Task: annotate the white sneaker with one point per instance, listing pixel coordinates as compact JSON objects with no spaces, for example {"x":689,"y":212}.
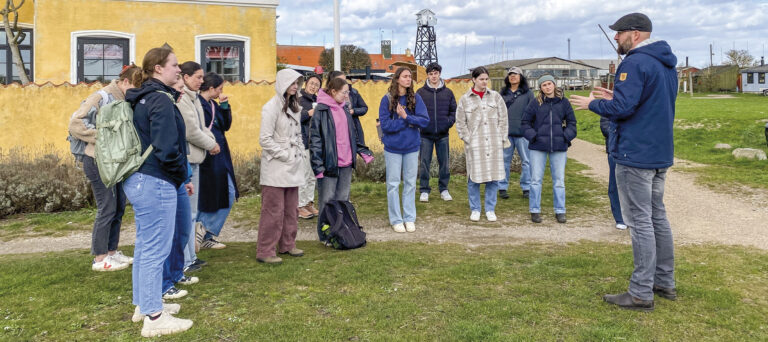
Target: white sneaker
{"x":174,"y":293}
{"x":119,"y":256}
{"x":446,"y":196}
{"x":474,"y":216}
{"x":187,"y":280}
{"x":491,"y":216}
{"x":621,"y":226}
{"x":410,"y":227}
{"x":166,"y":324}
{"x":424,"y":197}
{"x":167,"y":308}
{"x":108,"y":264}
{"x":399,"y":228}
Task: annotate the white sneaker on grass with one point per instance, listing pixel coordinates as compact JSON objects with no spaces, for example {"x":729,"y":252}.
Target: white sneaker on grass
{"x":174,"y":293}
{"x":424,"y":197}
{"x":187,"y":280}
{"x":108,"y":264}
{"x":491,"y":216}
{"x":170,"y":308}
{"x":474,"y":216}
{"x":446,"y":196}
{"x":410,"y":227}
{"x":166,"y":324}
{"x":621,"y":226}
{"x":212,"y":244}
{"x":398,"y":228}
{"x":119,"y":256}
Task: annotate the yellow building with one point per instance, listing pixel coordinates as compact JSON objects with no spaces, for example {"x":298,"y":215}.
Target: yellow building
{"x":90,"y":40}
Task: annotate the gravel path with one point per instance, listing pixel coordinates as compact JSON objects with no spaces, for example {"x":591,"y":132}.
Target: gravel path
{"x":698,"y":215}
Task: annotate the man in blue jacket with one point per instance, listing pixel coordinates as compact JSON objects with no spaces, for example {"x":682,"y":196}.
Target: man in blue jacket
{"x":642,"y":108}
{"x":441,"y":107}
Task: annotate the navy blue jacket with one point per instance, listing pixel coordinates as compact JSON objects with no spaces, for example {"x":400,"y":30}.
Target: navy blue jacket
{"x":159,"y":123}
{"x":516,"y":102}
{"x":441,"y":108}
{"x":359,"y":108}
{"x":398,"y":135}
{"x":214,"y":170}
{"x":305,"y":101}
{"x":643,"y":108}
{"x":549,"y":126}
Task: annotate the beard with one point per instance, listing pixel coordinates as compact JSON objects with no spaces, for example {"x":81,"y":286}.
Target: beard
{"x":624,"y":46}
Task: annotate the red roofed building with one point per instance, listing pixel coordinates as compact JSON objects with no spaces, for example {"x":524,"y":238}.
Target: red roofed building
{"x":309,"y":56}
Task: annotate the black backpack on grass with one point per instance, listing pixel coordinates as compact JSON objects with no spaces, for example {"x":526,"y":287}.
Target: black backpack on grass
{"x":340,"y":226}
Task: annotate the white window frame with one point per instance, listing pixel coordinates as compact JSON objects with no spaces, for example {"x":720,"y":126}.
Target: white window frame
{"x":97,"y":34}
{"x":229,"y":37}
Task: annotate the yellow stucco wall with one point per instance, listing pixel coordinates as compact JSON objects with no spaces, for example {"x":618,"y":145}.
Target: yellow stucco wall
{"x":26,"y":12}
{"x":36,"y":117}
{"x":153,"y":24}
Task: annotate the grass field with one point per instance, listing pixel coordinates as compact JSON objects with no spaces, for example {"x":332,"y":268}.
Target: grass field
{"x":700,"y":123}
{"x":399,"y":292}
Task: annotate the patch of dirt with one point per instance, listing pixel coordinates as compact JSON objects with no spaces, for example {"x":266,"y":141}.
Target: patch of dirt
{"x":714,"y":97}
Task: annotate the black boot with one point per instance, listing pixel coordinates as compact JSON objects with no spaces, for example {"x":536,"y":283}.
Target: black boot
{"x":560,"y":218}
{"x":536,"y":217}
{"x":670,"y":294}
{"x":626,"y":301}
{"x":503,"y":194}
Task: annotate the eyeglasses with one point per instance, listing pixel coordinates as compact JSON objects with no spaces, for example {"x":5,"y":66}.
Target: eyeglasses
{"x":345,"y":92}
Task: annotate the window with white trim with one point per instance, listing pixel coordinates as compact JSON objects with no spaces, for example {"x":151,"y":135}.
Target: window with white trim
{"x":226,"y":58}
{"x":101,"y":59}
{"x":8,"y":71}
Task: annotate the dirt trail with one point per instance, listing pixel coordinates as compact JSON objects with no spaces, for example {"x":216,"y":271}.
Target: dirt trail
{"x":698,"y":215}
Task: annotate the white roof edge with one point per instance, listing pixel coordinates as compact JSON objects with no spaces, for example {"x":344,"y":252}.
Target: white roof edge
{"x":240,"y":3}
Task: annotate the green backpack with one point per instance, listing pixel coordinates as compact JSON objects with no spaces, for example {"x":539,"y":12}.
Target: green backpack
{"x":118,"y":148}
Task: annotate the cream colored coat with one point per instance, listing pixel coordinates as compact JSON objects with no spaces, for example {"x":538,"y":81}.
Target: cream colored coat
{"x":482,"y":125}
{"x":92,"y":104}
{"x":200,"y":140}
{"x":282,"y":150}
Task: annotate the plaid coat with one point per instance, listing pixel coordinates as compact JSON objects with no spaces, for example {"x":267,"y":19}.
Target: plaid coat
{"x":482,"y":125}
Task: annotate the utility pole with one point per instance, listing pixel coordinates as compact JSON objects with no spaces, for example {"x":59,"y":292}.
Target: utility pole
{"x":710,"y":55}
{"x":569,"y":49}
{"x":336,"y":37}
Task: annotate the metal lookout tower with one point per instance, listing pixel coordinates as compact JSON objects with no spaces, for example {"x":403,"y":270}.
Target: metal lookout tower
{"x":426,"y":48}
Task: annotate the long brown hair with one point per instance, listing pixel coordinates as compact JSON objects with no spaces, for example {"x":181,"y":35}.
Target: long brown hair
{"x":394,"y":93}
{"x":155,"y":56}
{"x":292,"y":101}
{"x":132,"y":73}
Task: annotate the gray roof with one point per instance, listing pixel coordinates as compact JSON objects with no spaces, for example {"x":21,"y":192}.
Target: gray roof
{"x":761,"y":68}
{"x":528,"y":61}
{"x":602,"y":64}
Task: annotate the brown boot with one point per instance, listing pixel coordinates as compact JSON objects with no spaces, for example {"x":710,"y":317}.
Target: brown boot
{"x":304,"y":213}
{"x":311,"y":207}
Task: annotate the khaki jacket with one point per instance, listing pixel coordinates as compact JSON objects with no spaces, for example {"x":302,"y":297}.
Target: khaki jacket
{"x":282,"y":149}
{"x":482,"y":125}
{"x":89,"y":108}
{"x":199,"y":137}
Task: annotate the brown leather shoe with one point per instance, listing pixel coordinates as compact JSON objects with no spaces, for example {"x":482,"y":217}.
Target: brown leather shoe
{"x":670,"y":294}
{"x":304,"y":213}
{"x":626,"y":301}
{"x":311,"y":207}
{"x":295,"y":252}
{"x":273,"y":260}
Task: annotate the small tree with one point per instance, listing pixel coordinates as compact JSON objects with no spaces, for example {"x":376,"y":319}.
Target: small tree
{"x":15,"y":36}
{"x":741,"y":58}
{"x":352,"y":57}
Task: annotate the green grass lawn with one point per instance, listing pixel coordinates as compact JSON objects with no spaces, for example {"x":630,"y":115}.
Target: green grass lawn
{"x":399,"y":292}
{"x":702,"y":123}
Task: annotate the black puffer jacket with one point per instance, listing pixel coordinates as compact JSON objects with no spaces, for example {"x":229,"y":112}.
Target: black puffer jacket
{"x":441,"y":108}
{"x":516,"y":102}
{"x":322,"y":142}
{"x":359,"y":108}
{"x":305,"y":101}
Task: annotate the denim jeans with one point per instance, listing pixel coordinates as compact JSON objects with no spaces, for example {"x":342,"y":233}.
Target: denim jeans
{"x":333,"y":188}
{"x":174,"y":264}
{"x":442,"y":149}
{"x":189,"y":250}
{"x":154,"y":205}
{"x":214,"y":221}
{"x":406,"y":165}
{"x":613,"y":191}
{"x":557,"y":170}
{"x":641,"y":192}
{"x":110,"y":204}
{"x":473,"y":190}
{"x":521,"y":145}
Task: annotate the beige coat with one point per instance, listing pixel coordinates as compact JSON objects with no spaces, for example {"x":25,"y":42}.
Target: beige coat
{"x":282,"y":150}
{"x":482,"y":125}
{"x":199,"y":137}
{"x":90,"y":107}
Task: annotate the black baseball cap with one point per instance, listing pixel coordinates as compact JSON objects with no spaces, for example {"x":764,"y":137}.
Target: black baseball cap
{"x":633,"y":22}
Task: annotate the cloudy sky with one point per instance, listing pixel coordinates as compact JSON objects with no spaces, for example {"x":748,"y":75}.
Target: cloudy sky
{"x":527,"y":29}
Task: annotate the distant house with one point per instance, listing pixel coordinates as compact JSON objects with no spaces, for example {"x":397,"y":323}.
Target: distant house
{"x":566,"y":72}
{"x":304,"y":58}
{"x":753,"y":79}
{"x":717,"y":78}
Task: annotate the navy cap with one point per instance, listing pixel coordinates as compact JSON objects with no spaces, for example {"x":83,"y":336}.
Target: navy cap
{"x":633,"y":22}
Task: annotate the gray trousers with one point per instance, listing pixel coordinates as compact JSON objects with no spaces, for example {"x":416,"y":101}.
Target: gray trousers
{"x":110,"y":206}
{"x":641,"y":193}
{"x":333,"y":188}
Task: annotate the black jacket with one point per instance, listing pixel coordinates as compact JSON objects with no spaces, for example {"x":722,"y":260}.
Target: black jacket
{"x":551,"y":126}
{"x":306,"y":101}
{"x":215,"y":169}
{"x":159,"y":123}
{"x":441,"y":108}
{"x":517,"y":102}
{"x":322,"y":142}
{"x":359,"y":108}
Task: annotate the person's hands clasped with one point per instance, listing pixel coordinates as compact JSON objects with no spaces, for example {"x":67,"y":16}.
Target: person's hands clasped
{"x":401,"y":111}
{"x":215,"y":150}
{"x":190,"y":189}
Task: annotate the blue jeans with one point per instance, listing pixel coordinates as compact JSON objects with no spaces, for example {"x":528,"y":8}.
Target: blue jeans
{"x":174,"y":264}
{"x":189,"y":250}
{"x":521,"y":145}
{"x":214,"y":221}
{"x":442,"y":149}
{"x":557,"y":169}
{"x":613,"y":191}
{"x":154,"y":206}
{"x":642,"y":197}
{"x":473,"y":190}
{"x":407,"y":165}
